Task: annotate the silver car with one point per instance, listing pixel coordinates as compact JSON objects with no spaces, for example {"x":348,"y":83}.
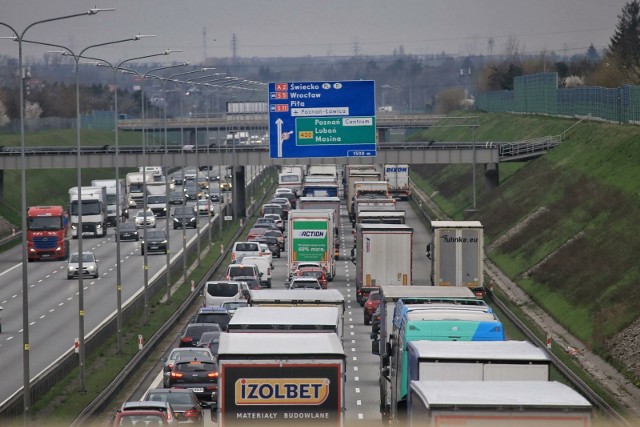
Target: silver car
{"x":89,"y":265}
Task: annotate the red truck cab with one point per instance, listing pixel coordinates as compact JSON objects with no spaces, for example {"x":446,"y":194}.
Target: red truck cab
{"x":47,"y":233}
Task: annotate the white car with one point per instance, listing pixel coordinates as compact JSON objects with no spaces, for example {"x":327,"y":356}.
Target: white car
{"x":203,"y":207}
{"x":141,"y":217}
{"x":89,"y":265}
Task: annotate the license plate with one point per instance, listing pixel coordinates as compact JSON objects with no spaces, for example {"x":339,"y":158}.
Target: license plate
{"x":197,"y":390}
{"x":153,"y":247}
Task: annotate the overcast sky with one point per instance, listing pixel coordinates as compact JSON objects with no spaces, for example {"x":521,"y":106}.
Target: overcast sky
{"x":284,"y":28}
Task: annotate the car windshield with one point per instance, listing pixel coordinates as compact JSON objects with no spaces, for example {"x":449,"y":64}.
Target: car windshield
{"x":156,"y":199}
{"x":222,"y":289}
{"x":221,"y":319}
{"x":247,"y":247}
{"x":197,"y":330}
{"x":153,"y":234}
{"x":85,"y":258}
{"x":40,"y":223}
{"x":127,"y":226}
{"x":196,"y":366}
{"x":142,"y":213}
{"x":232,"y":305}
{"x":316,"y":274}
{"x":173,"y":398}
{"x":188,"y":353}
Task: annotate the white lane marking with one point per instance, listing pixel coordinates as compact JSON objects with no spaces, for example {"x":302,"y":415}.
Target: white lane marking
{"x":32,"y":286}
{"x":43,"y":316}
{"x":353,"y":349}
{"x":356,"y":378}
{"x":360,"y":416}
{"x":9,"y":338}
{"x":52,"y":310}
{"x":15,"y":295}
{"x":349,"y":313}
{"x":355,"y":358}
{"x":351,"y":326}
{"x":357,"y":390}
{"x":32,"y":323}
{"x":353,"y":341}
{"x":353,"y":333}
{"x":4,"y":302}
{"x":46,"y":277}
{"x":61,"y":304}
{"x":69,"y":299}
{"x":355,"y":368}
{"x":9,"y":269}
{"x":359,"y":402}
{"x":350,"y":319}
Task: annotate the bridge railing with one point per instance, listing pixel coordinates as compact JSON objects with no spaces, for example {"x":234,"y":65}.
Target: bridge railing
{"x":529,"y":147}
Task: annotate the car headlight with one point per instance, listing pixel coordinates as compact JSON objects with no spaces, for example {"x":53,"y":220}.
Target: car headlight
{"x":73,"y":226}
{"x":164,"y":242}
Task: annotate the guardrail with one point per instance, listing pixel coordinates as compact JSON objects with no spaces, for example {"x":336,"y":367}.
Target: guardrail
{"x":103,"y":399}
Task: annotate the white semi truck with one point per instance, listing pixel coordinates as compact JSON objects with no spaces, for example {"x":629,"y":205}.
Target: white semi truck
{"x":116,"y":195}
{"x":135,"y":188}
{"x":382,"y":255}
{"x":312,"y":238}
{"x":398,"y":178}
{"x":94,"y":210}
{"x":457,"y":255}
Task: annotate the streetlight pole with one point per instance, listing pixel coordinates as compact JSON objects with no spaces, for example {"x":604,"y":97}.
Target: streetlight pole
{"x":26,"y":346}
{"x":179,"y":84}
{"x":115,"y":70}
{"x":81,"y":313}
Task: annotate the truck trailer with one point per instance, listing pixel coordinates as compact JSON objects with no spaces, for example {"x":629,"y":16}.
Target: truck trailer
{"x":497,"y":404}
{"x":116,"y":199}
{"x":94,"y":210}
{"x":456,"y":252}
{"x":382,"y":255}
{"x":281,"y":379}
{"x":312,"y":238}
{"x":398,"y":178}
{"x":354,"y":175}
{"x":47,"y":233}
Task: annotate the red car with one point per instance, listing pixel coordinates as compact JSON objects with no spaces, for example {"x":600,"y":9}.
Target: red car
{"x":373,"y":302}
{"x":255,"y":233}
{"x":315,"y":272}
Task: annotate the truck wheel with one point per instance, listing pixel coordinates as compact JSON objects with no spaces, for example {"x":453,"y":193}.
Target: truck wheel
{"x":30,"y":259}
{"x":367,"y":319}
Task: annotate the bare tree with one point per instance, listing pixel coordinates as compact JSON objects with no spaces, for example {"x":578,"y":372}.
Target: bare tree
{"x":512,"y":50}
{"x":4,"y":118}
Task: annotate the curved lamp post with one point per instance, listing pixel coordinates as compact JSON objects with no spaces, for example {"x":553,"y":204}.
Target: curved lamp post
{"x":115,"y":69}
{"x":19,"y":37}
{"x":81,"y":313}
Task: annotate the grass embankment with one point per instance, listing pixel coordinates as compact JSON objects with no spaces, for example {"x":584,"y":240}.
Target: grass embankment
{"x":575,"y":256}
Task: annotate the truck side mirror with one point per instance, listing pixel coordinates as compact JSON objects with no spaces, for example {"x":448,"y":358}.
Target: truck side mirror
{"x":375,"y":347}
{"x":429,"y":250}
{"x":375,"y":328}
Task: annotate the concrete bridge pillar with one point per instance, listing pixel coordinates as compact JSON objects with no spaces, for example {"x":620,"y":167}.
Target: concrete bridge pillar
{"x":383,"y":134}
{"x":491,"y":176}
{"x":239,"y":204}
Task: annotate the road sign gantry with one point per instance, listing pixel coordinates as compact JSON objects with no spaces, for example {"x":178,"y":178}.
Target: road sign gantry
{"x":322,"y":119}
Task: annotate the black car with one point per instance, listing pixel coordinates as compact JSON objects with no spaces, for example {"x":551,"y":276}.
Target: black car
{"x":176,"y":198}
{"x":184,"y":217}
{"x":278,"y":235}
{"x":199,"y":376}
{"x":192,"y":333}
{"x":215,"y":196}
{"x":272,"y":243}
{"x":218,"y":315}
{"x":184,"y":402}
{"x":192,"y":190}
{"x":128,"y":231}
{"x":252,"y":282}
{"x":290,"y":197}
{"x":154,"y":241}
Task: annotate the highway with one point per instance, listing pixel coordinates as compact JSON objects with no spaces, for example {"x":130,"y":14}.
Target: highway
{"x":53,"y":299}
{"x":362,"y":393}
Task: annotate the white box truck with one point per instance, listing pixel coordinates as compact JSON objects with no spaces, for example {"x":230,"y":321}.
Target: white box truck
{"x":94,"y":210}
{"x":398,"y":178}
{"x":312,"y":237}
{"x":457,"y":255}
{"x":358,"y":175}
{"x":135,"y":189}
{"x":382,"y":256}
{"x":281,"y":379}
{"x":116,"y":195}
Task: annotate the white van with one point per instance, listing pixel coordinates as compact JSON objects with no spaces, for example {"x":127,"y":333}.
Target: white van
{"x":263,"y":266}
{"x":218,"y":292}
{"x":243,"y":249}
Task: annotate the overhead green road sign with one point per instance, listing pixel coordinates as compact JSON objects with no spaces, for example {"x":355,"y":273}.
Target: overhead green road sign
{"x":335,"y":130}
